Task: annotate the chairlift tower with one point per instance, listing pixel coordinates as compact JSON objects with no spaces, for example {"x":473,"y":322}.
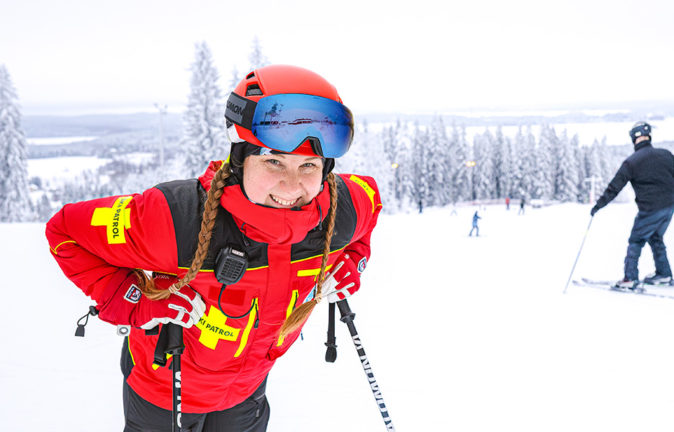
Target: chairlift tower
{"x":592,"y":180}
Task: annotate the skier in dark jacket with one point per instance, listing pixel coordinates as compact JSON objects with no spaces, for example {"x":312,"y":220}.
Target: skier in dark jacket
{"x":651,"y":172}
{"x":475,"y":227}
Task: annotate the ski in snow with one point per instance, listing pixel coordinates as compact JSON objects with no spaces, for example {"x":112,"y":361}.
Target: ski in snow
{"x":610,"y":286}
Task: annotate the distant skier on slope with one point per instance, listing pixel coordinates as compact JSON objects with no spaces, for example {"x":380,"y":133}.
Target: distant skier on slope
{"x":651,"y":172}
{"x":476,"y":217}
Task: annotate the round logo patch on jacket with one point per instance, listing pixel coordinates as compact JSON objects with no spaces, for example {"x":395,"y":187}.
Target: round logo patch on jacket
{"x":362,"y":264}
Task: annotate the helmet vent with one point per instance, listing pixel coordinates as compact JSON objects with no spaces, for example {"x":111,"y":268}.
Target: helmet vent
{"x":250,"y":75}
{"x":253,"y":90}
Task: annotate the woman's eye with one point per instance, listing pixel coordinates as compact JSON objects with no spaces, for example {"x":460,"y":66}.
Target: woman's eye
{"x":274,"y":162}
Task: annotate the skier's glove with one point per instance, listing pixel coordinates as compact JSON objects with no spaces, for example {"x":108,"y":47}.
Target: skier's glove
{"x":123,"y":303}
{"x":594,"y":210}
{"x":344,"y":279}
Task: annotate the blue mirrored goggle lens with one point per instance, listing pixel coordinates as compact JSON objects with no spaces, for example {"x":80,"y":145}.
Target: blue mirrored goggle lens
{"x":283,"y":122}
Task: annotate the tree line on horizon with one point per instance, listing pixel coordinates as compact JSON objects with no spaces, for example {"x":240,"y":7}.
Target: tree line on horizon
{"x":415,"y":166}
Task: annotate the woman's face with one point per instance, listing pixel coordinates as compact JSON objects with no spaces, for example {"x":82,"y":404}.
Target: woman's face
{"x":282,"y":180}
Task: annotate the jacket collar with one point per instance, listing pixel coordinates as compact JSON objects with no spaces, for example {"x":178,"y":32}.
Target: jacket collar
{"x":265,"y":224}
{"x":642,"y":144}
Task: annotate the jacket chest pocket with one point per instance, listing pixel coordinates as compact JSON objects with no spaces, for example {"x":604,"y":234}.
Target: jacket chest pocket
{"x":303,"y":291}
{"x":219,"y":341}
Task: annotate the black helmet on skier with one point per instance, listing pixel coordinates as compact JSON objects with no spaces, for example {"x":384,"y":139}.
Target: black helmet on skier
{"x":639,"y":129}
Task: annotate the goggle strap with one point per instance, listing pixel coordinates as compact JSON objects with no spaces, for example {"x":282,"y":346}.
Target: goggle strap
{"x":240,"y":111}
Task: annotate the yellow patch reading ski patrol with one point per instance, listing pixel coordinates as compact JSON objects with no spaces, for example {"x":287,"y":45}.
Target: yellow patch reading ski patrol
{"x":214,"y":328}
{"x":117,"y":218}
{"x":368,"y":190}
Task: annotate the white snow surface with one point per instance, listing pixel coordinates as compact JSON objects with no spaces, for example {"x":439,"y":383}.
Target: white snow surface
{"x":463,"y":334}
{"x":63,"y":167}
{"x":59,"y":140}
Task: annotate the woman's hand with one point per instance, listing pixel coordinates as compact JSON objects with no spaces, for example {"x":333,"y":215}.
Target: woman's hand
{"x":126,"y":305}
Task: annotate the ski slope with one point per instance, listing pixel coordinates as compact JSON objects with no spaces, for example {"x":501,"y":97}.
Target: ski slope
{"x":463,"y":334}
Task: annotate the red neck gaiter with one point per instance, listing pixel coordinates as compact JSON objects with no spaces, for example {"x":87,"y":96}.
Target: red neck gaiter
{"x":265,"y":224}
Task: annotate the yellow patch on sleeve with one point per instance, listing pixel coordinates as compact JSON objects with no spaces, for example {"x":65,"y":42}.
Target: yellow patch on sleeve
{"x":116,"y":218}
{"x":368,"y":190}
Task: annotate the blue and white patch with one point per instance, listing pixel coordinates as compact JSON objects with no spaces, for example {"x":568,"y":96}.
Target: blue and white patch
{"x":264,"y":151}
{"x":311,"y":295}
{"x":133,"y":294}
{"x":362,"y":264}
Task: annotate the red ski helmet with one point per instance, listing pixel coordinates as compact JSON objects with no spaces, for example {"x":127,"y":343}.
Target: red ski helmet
{"x":291,"y":110}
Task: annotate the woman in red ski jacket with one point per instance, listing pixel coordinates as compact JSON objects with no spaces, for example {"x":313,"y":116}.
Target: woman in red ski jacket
{"x":273,"y":209}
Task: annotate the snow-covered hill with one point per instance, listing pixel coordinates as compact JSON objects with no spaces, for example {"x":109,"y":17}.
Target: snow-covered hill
{"x":463,"y":334}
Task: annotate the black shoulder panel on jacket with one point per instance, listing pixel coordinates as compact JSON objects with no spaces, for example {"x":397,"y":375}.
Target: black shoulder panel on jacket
{"x":345,"y":227}
{"x":186,"y":200}
{"x":183,"y":198}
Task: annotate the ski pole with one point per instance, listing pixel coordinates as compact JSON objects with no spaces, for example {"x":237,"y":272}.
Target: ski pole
{"x":170,"y":341}
{"x":176,"y":348}
{"x":578,"y":256}
{"x":347,"y":318}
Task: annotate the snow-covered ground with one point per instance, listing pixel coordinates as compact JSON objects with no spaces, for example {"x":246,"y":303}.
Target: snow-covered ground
{"x":463,"y":334}
{"x":63,"y":167}
{"x":59,"y":140}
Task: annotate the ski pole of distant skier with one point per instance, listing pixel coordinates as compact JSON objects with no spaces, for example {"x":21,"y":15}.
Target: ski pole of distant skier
{"x":347,"y":318}
{"x":578,"y":256}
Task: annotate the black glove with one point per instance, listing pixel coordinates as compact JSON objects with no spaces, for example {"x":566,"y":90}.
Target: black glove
{"x":594,"y":210}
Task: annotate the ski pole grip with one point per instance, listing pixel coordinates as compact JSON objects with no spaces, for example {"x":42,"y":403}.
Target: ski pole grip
{"x":175,"y":345}
{"x":345,"y":311}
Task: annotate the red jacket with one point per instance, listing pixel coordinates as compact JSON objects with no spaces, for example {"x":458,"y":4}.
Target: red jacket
{"x":96,"y":242}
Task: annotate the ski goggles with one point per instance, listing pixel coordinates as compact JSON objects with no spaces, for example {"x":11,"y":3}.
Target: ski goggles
{"x":285,"y":121}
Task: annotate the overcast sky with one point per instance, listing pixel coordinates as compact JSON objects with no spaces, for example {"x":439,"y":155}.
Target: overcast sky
{"x":383,"y":56}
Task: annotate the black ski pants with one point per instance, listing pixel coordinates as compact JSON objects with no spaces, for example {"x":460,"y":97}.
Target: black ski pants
{"x":251,"y":415}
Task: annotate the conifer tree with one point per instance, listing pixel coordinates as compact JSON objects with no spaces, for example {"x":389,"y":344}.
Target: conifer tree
{"x":256,"y":58}
{"x":566,"y":174}
{"x":204,"y":137}
{"x":461,"y":176}
{"x":15,"y":204}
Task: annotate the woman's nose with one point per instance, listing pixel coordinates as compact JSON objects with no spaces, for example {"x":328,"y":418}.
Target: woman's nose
{"x":292,"y":183}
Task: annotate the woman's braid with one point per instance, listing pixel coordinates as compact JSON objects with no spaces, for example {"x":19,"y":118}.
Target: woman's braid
{"x":299,"y":315}
{"x":207,"y":223}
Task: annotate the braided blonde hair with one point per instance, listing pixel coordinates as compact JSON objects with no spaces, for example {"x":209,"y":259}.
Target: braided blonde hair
{"x":299,"y":315}
{"x":205,"y":233}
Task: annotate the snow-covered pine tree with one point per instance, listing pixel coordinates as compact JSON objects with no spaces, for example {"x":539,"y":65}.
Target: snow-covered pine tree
{"x":608,"y":165}
{"x":581,"y":174}
{"x":15,"y":204}
{"x":538,"y":176}
{"x":438,"y":161}
{"x":503,"y":164}
{"x":483,"y":171}
{"x":548,"y":149}
{"x":204,"y":130}
{"x":367,"y":157}
{"x":256,"y":58}
{"x":524,"y":160}
{"x":405,"y":185}
{"x":566,"y":174}
{"x":234,"y":79}
{"x":461,"y":157}
{"x":420,"y":193}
